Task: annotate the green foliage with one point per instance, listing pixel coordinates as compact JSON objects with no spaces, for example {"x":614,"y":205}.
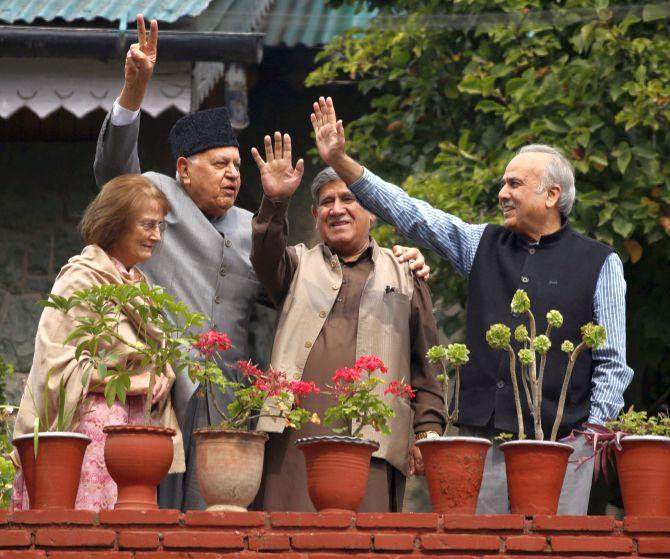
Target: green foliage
{"x":458,"y":354}
{"x":97,"y":329}
{"x":526,"y":356}
{"x":498,"y":336}
{"x":567,"y":346}
{"x":634,"y":422}
{"x":594,"y":335}
{"x":554,"y":318}
{"x":520,"y":302}
{"x":521,"y":333}
{"x":541,"y":344}
{"x":457,"y":86}
{"x":6,"y":464}
{"x":504,"y":437}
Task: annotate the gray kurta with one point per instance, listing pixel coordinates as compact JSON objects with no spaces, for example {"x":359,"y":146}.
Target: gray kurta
{"x":206,"y":265}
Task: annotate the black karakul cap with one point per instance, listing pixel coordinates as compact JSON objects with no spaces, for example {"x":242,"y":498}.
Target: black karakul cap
{"x":201,"y":131}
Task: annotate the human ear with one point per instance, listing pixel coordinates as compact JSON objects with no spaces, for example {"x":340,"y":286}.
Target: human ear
{"x":553,"y":195}
{"x":182,"y":171}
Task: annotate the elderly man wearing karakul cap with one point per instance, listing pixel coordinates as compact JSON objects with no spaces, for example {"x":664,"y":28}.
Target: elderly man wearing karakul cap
{"x":204,"y":257}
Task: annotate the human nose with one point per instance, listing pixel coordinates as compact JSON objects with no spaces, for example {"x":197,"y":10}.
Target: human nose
{"x":232,"y":171}
{"x":503,"y":193}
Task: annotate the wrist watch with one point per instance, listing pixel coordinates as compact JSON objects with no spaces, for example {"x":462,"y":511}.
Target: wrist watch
{"x":426,"y":435}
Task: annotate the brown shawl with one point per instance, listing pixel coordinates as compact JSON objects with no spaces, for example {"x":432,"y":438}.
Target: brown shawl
{"x":92,"y":267}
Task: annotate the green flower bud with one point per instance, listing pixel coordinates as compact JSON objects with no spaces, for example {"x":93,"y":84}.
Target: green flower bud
{"x":436,"y":353}
{"x":541,"y":344}
{"x":521,"y":333}
{"x":520,"y":302}
{"x":567,"y":346}
{"x":498,"y":336}
{"x":555,"y":318}
{"x":594,"y":335}
{"x":526,"y":356}
{"x":442,"y":378}
{"x":458,"y":354}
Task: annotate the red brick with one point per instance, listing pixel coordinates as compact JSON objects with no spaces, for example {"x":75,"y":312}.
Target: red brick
{"x":256,"y":555}
{"x":4,"y":516}
{"x":394,"y":542}
{"x":14,"y":538}
{"x":311,"y":519}
{"x":646,"y":546}
{"x":474,"y":542}
{"x":574,"y":523}
{"x":180,"y":555}
{"x":483,"y":522}
{"x":23,"y":554}
{"x":60,"y":537}
{"x":90,"y":554}
{"x":165,"y":516}
{"x":396,"y":520}
{"x":583,"y":544}
{"x":525,"y":543}
{"x":208,"y":539}
{"x":53,"y":517}
{"x":331,"y":540}
{"x":137,"y":539}
{"x":646,"y":524}
{"x":233,"y":519}
{"x":269,"y":542}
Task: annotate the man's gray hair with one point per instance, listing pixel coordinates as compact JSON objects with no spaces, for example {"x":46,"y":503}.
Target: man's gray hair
{"x":325,"y":176}
{"x":559,"y":171}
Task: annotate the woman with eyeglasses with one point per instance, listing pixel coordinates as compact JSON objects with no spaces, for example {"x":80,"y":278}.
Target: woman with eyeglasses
{"x":121,"y":228}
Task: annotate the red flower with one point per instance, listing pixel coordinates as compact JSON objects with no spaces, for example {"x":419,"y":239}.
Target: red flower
{"x":397,"y":388}
{"x":346,"y":374}
{"x":370,"y":363}
{"x":249,"y":369}
{"x":212,"y":341}
{"x":301,"y":387}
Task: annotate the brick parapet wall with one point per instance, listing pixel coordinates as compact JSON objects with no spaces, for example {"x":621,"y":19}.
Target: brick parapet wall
{"x":255,"y":535}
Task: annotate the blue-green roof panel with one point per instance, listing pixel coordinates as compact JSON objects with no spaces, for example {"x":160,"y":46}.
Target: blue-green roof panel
{"x":27,"y":11}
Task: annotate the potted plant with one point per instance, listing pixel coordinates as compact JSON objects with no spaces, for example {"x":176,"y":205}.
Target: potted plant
{"x":454,"y":466}
{"x":346,"y":458}
{"x":229,"y":457}
{"x":137,"y":456}
{"x":641,"y":447}
{"x":536,"y":468}
{"x":51,"y":457}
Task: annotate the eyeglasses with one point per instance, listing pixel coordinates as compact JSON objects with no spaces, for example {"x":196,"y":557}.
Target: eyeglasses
{"x":151,"y":224}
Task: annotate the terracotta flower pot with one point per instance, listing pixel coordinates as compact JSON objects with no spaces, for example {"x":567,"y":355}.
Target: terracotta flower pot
{"x":337,"y":471}
{"x":644,"y":475}
{"x":454,"y":469}
{"x":535,"y":474}
{"x":229,"y":465}
{"x":137,"y":457}
{"x":53,"y":479}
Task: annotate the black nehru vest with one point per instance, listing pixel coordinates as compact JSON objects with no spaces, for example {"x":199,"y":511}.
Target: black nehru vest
{"x":560,"y":272}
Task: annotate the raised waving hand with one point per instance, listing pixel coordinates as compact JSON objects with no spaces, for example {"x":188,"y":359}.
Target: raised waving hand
{"x":139,"y":65}
{"x":278,"y":176}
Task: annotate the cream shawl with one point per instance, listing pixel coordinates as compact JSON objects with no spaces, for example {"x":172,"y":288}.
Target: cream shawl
{"x":92,"y":267}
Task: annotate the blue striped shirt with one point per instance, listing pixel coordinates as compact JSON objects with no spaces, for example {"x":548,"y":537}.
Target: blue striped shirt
{"x":457,"y":241}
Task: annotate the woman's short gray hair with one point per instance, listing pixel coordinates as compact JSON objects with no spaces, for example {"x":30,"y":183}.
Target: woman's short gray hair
{"x":325,"y":176}
{"x":559,"y":171}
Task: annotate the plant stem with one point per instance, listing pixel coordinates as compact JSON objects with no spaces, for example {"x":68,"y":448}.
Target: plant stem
{"x":524,"y":381}
{"x":149,"y":397}
{"x":457,"y":390}
{"x":543,"y":363}
{"x":564,"y":389}
{"x":515,"y":386}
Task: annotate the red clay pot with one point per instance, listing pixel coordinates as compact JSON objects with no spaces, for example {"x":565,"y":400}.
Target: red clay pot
{"x":53,"y":479}
{"x":535,"y":474}
{"x":137,"y":457}
{"x":454,"y":469}
{"x":644,"y":475}
{"x":337,"y":471}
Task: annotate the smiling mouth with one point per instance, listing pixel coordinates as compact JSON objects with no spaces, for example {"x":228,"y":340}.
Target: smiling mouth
{"x":339,"y":223}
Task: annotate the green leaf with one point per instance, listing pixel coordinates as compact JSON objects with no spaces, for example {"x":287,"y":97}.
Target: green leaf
{"x":622,"y":227}
{"x":652,"y":12}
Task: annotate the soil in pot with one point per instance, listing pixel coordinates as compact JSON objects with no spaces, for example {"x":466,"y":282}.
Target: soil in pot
{"x":229,"y":466}
{"x":138,"y":457}
{"x":52,"y":480}
{"x":337,"y":471}
{"x":535,"y":473}
{"x":454,"y":469}
{"x":644,"y":475}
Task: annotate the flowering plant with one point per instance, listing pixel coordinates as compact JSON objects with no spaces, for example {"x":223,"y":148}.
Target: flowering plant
{"x":358,"y":400}
{"x":455,"y":355}
{"x":264,"y":394}
{"x":499,"y":336}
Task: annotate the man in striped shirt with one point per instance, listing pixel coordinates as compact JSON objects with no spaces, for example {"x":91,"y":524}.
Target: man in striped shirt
{"x":537,"y":250}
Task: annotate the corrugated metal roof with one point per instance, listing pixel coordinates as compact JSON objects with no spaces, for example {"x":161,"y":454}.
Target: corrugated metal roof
{"x":310,"y":22}
{"x":27,"y":11}
{"x":285,"y":22}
